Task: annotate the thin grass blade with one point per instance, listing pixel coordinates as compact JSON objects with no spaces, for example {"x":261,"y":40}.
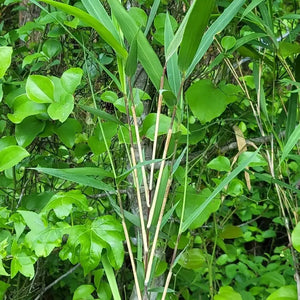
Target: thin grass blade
{"x":218,"y":189}
{"x":96,"y":9}
{"x":290,"y":144}
{"x":172,"y":64}
{"x":222,"y":21}
{"x":152,"y":14}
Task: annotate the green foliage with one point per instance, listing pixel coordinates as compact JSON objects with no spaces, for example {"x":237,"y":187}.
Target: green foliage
{"x":120,"y":162}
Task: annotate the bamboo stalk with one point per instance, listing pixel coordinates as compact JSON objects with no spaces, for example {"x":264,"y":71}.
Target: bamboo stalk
{"x":161,"y":214}
{"x":159,"y":105}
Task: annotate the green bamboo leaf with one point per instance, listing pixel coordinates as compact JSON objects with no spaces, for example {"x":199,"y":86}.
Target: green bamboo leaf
{"x":101,"y":114}
{"x":146,"y":54}
{"x":195,"y":27}
{"x":111,"y":277}
{"x":222,"y":21}
{"x":152,"y":14}
{"x":67,"y":174}
{"x":250,"y":7}
{"x":186,"y":224}
{"x":96,"y":9}
{"x":172,"y":64}
{"x":292,"y":141}
{"x":92,"y":22}
{"x":174,"y":44}
{"x":131,"y":63}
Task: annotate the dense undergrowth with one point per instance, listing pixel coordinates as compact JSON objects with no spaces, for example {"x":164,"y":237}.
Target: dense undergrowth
{"x":149,"y":150}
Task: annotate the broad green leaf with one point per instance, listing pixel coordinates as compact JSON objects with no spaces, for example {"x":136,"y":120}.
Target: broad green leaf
{"x":2,"y":272}
{"x":51,"y":48}
{"x":208,"y":37}
{"x":186,"y":224}
{"x":104,"y":232}
{"x":5,"y":58}
{"x":288,"y":49}
{"x":32,"y":220}
{"x":288,"y":292}
{"x":71,"y":78}
{"x":91,"y":246}
{"x":146,"y":54}
{"x":23,"y":107}
{"x":235,"y":188}
{"x":11,"y":156}
{"x":139,"y":16}
{"x":194,"y":30}
{"x":159,"y":24}
{"x":104,"y":33}
{"x":98,"y":141}
{"x":205,"y":100}
{"x":109,"y":96}
{"x":28,"y":130}
{"x":228,"y":42}
{"x":7,"y":141}
{"x":67,"y":131}
{"x":43,"y":241}
{"x":22,"y":261}
{"x":3,"y":287}
{"x":101,"y":114}
{"x":40,"y":89}
{"x":227,"y":293}
{"x":193,"y":259}
{"x":62,"y":203}
{"x":62,"y":109}
{"x":111,"y":231}
{"x":220,"y":163}
{"x":84,"y":291}
{"x":296,"y":237}
{"x":80,"y":179}
{"x":272,"y":279}
{"x":193,"y":200}
{"x":231,"y":232}
{"x":164,"y":125}
{"x":290,"y":144}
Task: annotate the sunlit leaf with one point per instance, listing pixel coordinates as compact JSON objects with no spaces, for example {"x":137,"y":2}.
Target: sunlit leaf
{"x":227,"y":293}
{"x":11,"y":156}
{"x":288,"y":292}
{"x":5,"y":58}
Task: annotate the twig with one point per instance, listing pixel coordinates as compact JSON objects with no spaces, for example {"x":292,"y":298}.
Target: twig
{"x":56,"y":281}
